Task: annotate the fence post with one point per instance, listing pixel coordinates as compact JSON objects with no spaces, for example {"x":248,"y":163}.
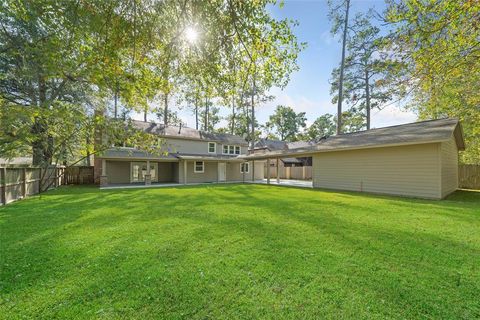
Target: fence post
{"x":24,"y":184}
{"x":4,"y":185}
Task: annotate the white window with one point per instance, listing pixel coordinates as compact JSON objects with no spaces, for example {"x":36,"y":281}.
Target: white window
{"x":231,"y":149}
{"x":212,"y":147}
{"x":199,"y":167}
{"x":244,"y":167}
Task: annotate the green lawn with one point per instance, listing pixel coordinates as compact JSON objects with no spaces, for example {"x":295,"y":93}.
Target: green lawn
{"x":239,"y":251}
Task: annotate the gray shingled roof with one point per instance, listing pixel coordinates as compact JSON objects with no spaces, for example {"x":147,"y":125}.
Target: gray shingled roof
{"x":281,"y":145}
{"x":412,"y":133}
{"x":187,"y":133}
{"x":123,"y":152}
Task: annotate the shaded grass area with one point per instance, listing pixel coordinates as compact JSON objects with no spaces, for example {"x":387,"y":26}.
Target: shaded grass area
{"x":239,"y":251}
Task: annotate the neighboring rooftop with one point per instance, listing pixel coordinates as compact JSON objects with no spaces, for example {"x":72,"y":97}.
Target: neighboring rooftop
{"x":16,"y":161}
{"x":411,"y":133}
{"x":273,"y":145}
{"x":188,"y":133}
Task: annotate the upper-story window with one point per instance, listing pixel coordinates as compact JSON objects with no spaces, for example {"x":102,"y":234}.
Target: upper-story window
{"x":212,"y":147}
{"x":231,"y":149}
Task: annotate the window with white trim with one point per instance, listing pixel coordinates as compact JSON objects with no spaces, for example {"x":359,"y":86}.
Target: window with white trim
{"x":212,"y":147}
{"x":231,"y":149}
{"x":244,"y":167}
{"x":198,"y":167}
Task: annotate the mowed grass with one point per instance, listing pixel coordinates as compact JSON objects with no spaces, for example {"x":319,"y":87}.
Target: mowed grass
{"x":239,"y":251}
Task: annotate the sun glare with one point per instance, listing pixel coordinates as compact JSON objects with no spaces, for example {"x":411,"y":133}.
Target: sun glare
{"x":191,"y":35}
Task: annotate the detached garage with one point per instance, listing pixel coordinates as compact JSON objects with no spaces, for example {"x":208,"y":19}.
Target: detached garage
{"x":418,"y":160}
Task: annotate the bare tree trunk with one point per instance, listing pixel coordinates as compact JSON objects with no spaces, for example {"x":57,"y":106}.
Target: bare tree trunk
{"x":253,"y":116}
{"x":165,"y":109}
{"x":342,"y":66}
{"x":88,"y":150}
{"x":367,"y":95}
{"x":145,"y":115}
{"x":233,"y":115}
{"x":115,"y":99}
{"x":196,"y":111}
{"x":42,"y":146}
{"x":206,"y":113}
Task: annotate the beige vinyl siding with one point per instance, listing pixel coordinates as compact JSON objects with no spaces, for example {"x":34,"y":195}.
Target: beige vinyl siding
{"x":118,"y":171}
{"x":234,"y":174}
{"x":210,"y":172}
{"x":165,"y":172}
{"x":404,"y":170}
{"x":194,"y":146}
{"x":449,"y":165}
{"x":181,"y":171}
{"x":259,"y":169}
{"x":176,"y":171}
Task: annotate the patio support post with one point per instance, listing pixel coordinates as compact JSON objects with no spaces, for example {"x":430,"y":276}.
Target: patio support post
{"x":253,"y":170}
{"x":103,"y":177}
{"x":268,"y":171}
{"x":243,"y":171}
{"x":276,"y":173}
{"x":184,"y":171}
{"x":148,"y":175}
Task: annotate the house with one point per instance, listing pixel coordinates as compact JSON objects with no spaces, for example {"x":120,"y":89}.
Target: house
{"x":416,"y":159}
{"x":193,"y":156}
{"x":299,"y":168}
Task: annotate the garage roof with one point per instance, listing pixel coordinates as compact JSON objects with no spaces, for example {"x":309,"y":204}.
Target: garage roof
{"x":412,"y":133}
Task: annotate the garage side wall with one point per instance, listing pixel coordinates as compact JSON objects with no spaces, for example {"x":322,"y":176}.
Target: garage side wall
{"x":404,"y":170}
{"x":449,"y":165}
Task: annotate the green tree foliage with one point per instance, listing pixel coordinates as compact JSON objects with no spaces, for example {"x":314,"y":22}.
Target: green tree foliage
{"x":438,"y":41}
{"x":286,"y":123}
{"x":370,"y":74}
{"x":321,"y":127}
{"x":61,"y":61}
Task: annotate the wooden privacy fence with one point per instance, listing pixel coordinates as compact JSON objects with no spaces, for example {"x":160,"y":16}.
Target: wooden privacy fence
{"x":79,"y":175}
{"x":20,"y":182}
{"x":469,"y":176}
{"x":295,"y":173}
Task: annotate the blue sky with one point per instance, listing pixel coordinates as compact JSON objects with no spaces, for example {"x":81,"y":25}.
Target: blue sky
{"x":309,"y":89}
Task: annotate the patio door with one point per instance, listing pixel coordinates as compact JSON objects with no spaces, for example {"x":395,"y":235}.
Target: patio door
{"x":222,"y":171}
{"x":138,"y":170}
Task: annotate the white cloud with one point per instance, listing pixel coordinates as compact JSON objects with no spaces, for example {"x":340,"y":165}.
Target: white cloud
{"x":392,"y":115}
{"x":327,"y":37}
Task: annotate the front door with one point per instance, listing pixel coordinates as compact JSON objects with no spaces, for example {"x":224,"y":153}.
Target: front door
{"x":222,"y":171}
